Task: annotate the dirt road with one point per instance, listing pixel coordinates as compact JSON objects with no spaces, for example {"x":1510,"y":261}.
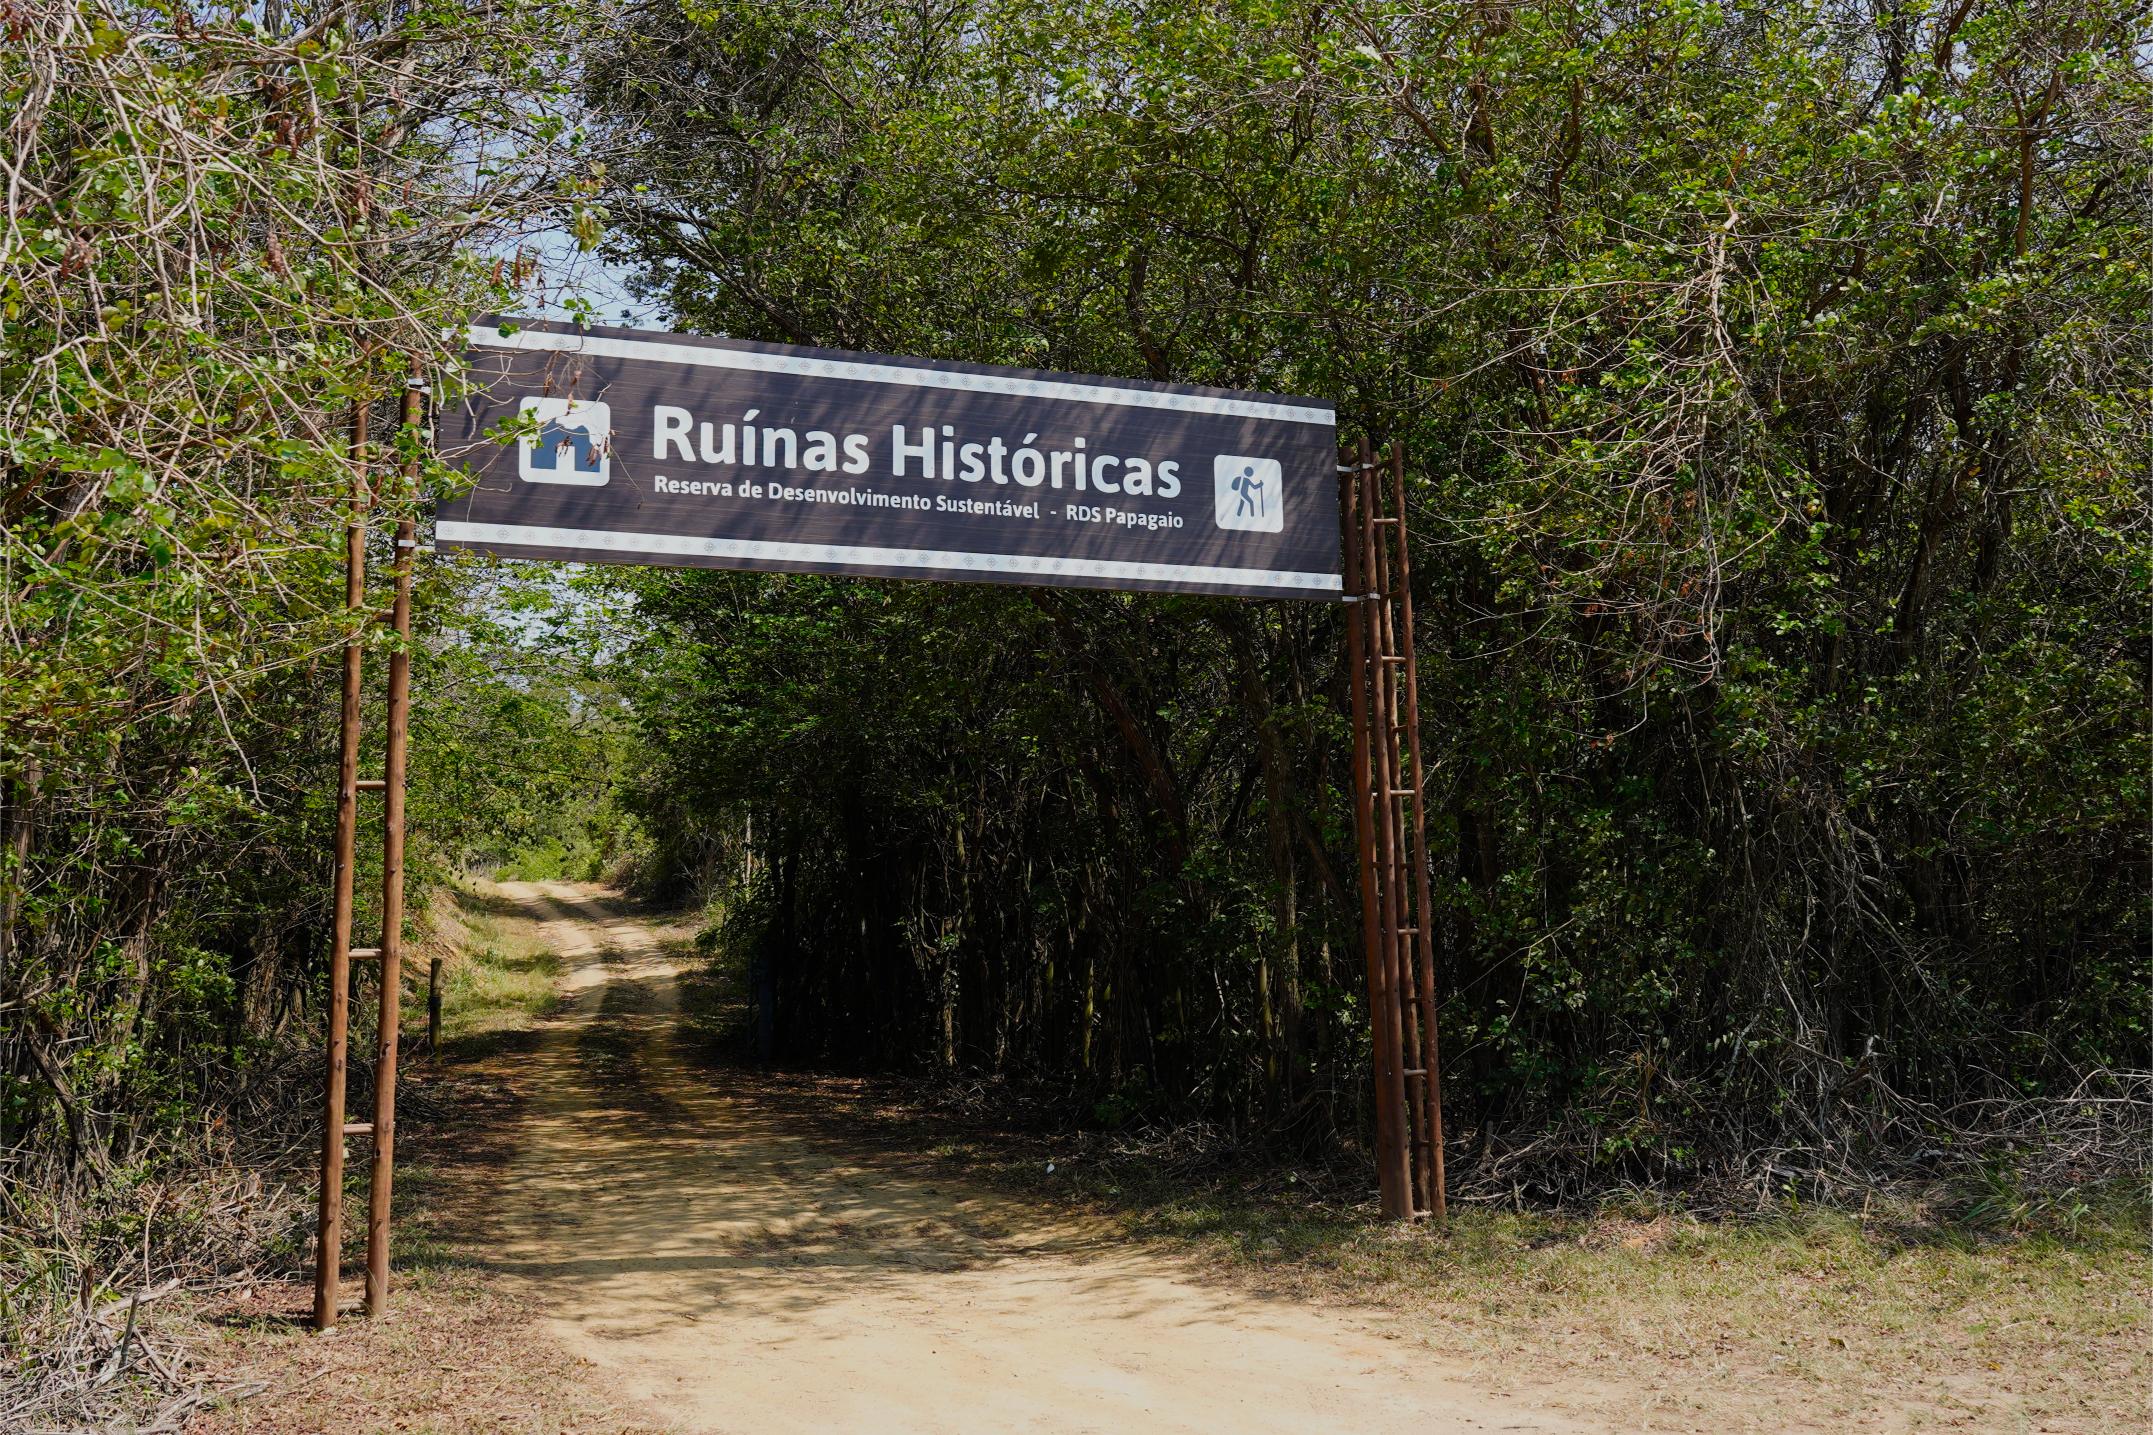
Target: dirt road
{"x":731,"y":1267}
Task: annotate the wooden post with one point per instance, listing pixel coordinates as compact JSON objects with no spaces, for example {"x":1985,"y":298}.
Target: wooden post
{"x":1390,"y":823}
{"x":433,"y":1007}
{"x":1435,"y":1189}
{"x":381,"y":1178}
{"x":329,"y":1225}
{"x":1363,"y":657}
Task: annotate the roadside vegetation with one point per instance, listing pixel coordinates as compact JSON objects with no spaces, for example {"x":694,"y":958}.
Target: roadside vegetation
{"x":227,"y":234}
{"x":1849,"y":1318}
{"x":199,"y":1320}
{"x":1773,"y":389}
{"x":499,"y":976}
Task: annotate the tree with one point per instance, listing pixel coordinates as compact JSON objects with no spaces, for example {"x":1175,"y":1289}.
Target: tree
{"x":226,"y":236}
{"x":1771,"y":389}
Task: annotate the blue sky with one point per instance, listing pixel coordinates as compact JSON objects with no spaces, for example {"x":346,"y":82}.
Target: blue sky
{"x":565,"y":273}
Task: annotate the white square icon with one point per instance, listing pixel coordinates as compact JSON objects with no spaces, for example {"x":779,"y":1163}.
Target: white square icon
{"x":1249,"y":493}
{"x":573,"y":442}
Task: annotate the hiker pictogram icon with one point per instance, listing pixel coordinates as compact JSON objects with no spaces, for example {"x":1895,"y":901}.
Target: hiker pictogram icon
{"x":1249,"y":494}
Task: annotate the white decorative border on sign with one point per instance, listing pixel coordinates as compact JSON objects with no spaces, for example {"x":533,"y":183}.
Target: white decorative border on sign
{"x":678,"y":545}
{"x":659,"y":351}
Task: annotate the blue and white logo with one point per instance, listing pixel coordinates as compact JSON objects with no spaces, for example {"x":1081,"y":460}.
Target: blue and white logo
{"x":573,"y":442}
{"x":1249,"y":493}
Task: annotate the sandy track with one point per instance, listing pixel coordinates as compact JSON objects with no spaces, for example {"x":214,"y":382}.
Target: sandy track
{"x":731,"y":1267}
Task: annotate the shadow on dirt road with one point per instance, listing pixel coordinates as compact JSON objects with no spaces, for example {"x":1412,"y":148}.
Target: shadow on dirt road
{"x":731,"y":1268}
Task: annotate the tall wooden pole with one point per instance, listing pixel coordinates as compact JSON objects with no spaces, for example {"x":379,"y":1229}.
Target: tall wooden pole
{"x":1396,"y":1144}
{"x":329,"y":1228}
{"x":1391,"y":847}
{"x":1363,"y":656}
{"x":1390,"y":821}
{"x":382,"y":1175}
{"x":1436,"y":1195}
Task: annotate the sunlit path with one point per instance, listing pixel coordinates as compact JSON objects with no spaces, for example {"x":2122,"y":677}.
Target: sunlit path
{"x":735,"y":1271}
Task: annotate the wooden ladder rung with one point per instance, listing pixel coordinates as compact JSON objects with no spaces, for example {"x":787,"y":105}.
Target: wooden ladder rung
{"x":358,"y":1128}
{"x":366,"y":954}
{"x":371,"y":784}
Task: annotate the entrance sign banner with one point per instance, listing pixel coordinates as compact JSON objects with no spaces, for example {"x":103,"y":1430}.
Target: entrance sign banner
{"x":632,"y":447}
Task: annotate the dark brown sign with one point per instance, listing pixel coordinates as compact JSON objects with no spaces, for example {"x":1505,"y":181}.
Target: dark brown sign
{"x":631,"y":447}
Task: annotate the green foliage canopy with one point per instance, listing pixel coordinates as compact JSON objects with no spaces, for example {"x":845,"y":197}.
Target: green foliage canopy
{"x":1774,"y":383}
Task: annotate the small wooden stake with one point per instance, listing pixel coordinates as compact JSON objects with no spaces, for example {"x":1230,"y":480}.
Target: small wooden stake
{"x":433,"y":1007}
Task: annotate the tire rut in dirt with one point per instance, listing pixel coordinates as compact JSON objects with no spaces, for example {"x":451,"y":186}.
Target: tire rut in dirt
{"x":612,"y":1048}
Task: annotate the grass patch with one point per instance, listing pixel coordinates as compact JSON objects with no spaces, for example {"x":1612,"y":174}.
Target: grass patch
{"x":460,"y":1356}
{"x":497,"y":973}
{"x":1904,"y":1314}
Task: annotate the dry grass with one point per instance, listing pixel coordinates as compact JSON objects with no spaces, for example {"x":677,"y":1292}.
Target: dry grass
{"x":1810,"y":1321}
{"x":455,"y":1355}
{"x":497,"y":973}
